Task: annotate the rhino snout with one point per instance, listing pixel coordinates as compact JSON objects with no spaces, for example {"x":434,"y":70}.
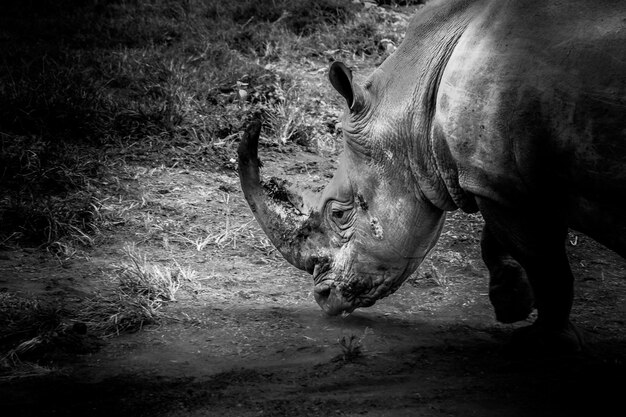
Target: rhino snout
{"x":331,"y":300}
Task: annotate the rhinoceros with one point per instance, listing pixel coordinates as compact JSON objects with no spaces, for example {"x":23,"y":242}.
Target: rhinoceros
{"x":516,"y":109}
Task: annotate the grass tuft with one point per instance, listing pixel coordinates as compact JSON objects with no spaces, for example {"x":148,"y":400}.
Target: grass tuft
{"x":141,"y":291}
{"x":138,"y":277}
{"x":351,"y":347}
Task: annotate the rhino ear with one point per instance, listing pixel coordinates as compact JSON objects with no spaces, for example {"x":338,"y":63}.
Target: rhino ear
{"x":341,"y":78}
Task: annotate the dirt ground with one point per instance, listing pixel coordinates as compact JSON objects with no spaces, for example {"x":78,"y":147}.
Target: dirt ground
{"x":247,"y":339}
{"x":244,"y":336}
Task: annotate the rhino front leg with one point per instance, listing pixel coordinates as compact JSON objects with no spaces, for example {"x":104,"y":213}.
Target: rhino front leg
{"x":535,"y":238}
{"x":510,"y":292}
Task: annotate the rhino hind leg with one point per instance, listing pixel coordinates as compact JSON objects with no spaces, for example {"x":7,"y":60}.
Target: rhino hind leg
{"x":535,"y":240}
{"x":510,"y":292}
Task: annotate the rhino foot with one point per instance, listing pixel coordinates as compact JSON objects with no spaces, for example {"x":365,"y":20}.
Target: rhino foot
{"x":510,"y":292}
{"x":536,"y":339}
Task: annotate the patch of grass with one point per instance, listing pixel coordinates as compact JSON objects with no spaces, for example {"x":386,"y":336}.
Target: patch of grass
{"x":372,"y":35}
{"x":351,"y":347}
{"x":430,"y":275}
{"x":153,"y":282}
{"x":132,"y":69}
{"x":285,"y":117}
{"x":84,"y":83}
{"x":301,"y":17}
{"x":142,"y":289}
{"x":228,"y":234}
{"x":47,"y":192}
{"x":33,"y":332}
{"x":400,"y":2}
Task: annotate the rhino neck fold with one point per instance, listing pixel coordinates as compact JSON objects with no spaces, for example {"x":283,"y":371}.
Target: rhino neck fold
{"x":448,"y":172}
{"x":429,"y":158}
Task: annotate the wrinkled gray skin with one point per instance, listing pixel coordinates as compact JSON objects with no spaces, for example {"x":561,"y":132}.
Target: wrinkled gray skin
{"x":513,"y":108}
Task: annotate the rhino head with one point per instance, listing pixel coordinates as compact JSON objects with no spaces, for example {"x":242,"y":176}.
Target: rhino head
{"x":371,"y":226}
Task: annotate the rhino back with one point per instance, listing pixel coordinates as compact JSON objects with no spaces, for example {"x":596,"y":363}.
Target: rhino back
{"x":534,"y":96}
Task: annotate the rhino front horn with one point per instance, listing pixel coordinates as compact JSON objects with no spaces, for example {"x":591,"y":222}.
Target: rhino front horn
{"x":282,"y":222}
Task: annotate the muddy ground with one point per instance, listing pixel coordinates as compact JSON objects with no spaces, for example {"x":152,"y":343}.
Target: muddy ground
{"x":246,"y":338}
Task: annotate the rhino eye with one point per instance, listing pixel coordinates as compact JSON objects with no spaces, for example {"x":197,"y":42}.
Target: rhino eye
{"x":341,"y":216}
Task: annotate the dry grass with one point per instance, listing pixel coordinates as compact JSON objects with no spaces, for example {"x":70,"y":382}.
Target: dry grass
{"x":430,"y":274}
{"x":352,"y":346}
{"x":146,"y":82}
{"x":228,"y":236}
{"x":152,"y":281}
{"x":141,"y":290}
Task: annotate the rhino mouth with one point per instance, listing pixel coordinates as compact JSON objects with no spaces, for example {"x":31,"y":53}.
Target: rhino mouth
{"x":335,"y":297}
{"x":344,"y":296}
